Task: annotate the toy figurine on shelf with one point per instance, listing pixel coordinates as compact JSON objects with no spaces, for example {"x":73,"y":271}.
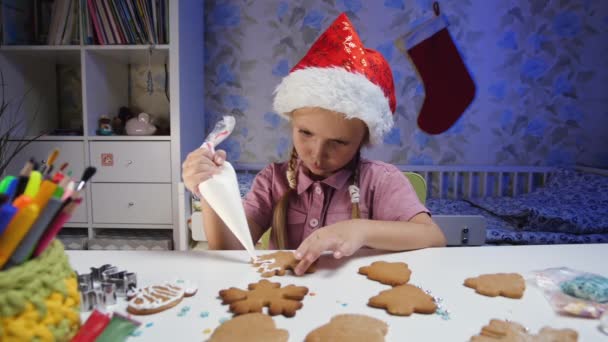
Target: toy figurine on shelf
{"x":141,"y":125}
{"x":105,"y":126}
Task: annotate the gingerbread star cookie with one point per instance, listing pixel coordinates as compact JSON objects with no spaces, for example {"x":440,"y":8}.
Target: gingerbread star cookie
{"x":278,"y":263}
{"x":350,"y":328}
{"x":499,"y":330}
{"x":255,"y":327}
{"x":279,"y":300}
{"x":389,"y":273}
{"x":403,"y":300}
{"x":155,"y":298}
{"x":511,"y":285}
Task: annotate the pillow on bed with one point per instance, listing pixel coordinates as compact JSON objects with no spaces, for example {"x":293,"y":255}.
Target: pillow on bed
{"x":572,"y":203}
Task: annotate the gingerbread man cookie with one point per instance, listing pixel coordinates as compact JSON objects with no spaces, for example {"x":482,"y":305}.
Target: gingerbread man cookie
{"x":279,"y":300}
{"x":389,"y":273}
{"x":511,"y":285}
{"x":350,"y":328}
{"x":278,"y":263}
{"x":155,"y":298}
{"x":499,"y":330}
{"x":404,"y":300}
{"x":255,"y":327}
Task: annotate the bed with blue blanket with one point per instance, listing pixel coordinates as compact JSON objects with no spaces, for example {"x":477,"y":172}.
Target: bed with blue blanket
{"x":571,"y":208}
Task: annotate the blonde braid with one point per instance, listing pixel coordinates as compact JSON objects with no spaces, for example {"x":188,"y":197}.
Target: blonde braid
{"x":279,"y":217}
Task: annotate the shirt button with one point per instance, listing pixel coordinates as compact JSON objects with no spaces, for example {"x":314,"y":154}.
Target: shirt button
{"x":313,"y":223}
{"x":318,"y":190}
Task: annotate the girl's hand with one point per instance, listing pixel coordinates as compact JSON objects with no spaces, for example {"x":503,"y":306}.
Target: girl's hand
{"x":199,"y":166}
{"x":342,"y":238}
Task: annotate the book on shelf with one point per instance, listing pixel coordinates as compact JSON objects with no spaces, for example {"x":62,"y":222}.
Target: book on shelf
{"x":126,"y":21}
{"x":70,"y":22}
{"x":39,"y":22}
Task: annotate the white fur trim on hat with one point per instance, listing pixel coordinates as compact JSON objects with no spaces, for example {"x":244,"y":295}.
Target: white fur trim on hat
{"x":338,"y":90}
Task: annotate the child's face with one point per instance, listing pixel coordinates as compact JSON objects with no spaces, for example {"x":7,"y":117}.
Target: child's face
{"x":325,"y":140}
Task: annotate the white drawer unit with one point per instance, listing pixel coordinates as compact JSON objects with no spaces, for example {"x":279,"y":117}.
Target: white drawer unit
{"x":141,"y":161}
{"x":131,"y":203}
{"x":80,"y":214}
{"x":71,"y":152}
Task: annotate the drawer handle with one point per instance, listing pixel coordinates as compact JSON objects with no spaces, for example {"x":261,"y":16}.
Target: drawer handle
{"x":131,"y":204}
{"x":129,"y":162}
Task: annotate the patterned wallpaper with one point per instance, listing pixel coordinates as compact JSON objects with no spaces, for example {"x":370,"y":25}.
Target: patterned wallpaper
{"x":540,"y":68}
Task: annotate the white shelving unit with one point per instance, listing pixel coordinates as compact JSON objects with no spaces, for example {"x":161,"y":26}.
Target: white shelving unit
{"x":141,"y":188}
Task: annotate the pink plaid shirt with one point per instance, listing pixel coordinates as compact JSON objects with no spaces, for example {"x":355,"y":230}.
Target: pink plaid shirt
{"x":385,"y":194}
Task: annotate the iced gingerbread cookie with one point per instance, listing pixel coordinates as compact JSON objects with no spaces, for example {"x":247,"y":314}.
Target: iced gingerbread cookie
{"x":403,"y":300}
{"x":154,"y":299}
{"x":279,"y":300}
{"x":499,"y":330}
{"x":350,"y":328}
{"x":255,"y":327}
{"x":278,"y":263}
{"x":511,"y":285}
{"x":389,"y":273}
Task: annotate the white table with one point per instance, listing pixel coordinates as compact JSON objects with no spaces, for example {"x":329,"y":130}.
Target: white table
{"x":340,"y":289}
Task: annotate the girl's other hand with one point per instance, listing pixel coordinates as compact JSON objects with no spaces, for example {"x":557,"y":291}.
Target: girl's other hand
{"x":200,"y":165}
{"x":342,"y":238}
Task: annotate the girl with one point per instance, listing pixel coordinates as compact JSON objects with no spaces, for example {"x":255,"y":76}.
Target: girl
{"x":339,"y":98}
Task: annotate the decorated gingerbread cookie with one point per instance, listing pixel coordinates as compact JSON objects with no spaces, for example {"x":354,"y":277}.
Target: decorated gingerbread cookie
{"x":389,"y":273}
{"x":279,"y":300}
{"x":155,"y":298}
{"x":511,"y":285}
{"x":404,"y":300}
{"x":350,"y":328}
{"x":499,"y":330}
{"x":278,"y":263}
{"x":255,"y":327}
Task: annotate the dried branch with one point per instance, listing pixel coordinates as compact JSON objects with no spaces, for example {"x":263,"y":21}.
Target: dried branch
{"x":8,"y":123}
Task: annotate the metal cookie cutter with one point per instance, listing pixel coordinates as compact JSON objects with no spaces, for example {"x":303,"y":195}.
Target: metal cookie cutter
{"x":103,"y":285}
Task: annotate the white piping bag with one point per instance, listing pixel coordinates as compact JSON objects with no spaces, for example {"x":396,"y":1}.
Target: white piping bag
{"x":221,"y":191}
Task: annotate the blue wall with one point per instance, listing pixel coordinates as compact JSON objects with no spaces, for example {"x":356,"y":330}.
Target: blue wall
{"x":540,"y":68}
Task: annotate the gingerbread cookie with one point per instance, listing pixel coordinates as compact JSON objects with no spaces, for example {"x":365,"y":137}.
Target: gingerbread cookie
{"x":389,"y":273}
{"x":403,"y":300}
{"x":278,"y":263}
{"x":279,"y":300}
{"x":350,"y":328}
{"x":499,"y":330}
{"x":255,"y":327}
{"x":155,"y":298}
{"x":511,"y":285}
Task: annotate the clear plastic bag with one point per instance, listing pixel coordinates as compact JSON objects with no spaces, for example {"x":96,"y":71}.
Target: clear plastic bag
{"x":573,"y":292}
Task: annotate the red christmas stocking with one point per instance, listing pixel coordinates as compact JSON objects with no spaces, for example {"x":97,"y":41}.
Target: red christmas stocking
{"x":447,"y":83}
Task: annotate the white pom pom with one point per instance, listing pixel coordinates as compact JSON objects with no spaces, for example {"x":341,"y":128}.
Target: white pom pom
{"x":353,"y":190}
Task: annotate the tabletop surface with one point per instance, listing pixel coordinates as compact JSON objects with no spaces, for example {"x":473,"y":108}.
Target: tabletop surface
{"x":338,"y":289}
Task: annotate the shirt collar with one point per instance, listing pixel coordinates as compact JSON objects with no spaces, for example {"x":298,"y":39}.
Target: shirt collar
{"x":336,"y":181}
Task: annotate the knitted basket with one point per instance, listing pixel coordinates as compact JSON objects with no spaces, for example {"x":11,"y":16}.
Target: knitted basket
{"x":39,"y":299}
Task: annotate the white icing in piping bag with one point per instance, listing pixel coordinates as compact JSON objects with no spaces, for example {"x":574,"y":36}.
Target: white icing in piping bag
{"x":221,"y":191}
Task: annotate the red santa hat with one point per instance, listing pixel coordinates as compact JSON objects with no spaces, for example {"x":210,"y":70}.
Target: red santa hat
{"x":340,"y":74}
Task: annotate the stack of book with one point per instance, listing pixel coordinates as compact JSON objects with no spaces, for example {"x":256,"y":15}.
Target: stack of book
{"x":58,"y":22}
{"x":40,"y":22}
{"x":125,"y":22}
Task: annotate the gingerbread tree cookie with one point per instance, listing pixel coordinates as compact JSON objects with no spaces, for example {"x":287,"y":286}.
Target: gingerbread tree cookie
{"x":255,"y":327}
{"x":350,"y":328}
{"x":389,"y":273}
{"x":499,"y":330}
{"x":404,"y":300}
{"x":511,"y":285}
{"x":278,"y":263}
{"x":279,"y":300}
